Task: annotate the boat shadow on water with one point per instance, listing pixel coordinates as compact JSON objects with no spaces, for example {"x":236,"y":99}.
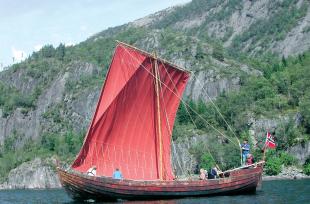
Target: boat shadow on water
{"x":205,"y":199}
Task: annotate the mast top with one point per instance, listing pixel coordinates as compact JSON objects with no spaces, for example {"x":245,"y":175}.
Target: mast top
{"x":154,"y":56}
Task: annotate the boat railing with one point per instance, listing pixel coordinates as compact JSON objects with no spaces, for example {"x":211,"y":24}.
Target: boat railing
{"x":260,"y":163}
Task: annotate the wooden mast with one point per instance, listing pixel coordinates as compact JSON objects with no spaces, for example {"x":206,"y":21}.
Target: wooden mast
{"x":158,"y":118}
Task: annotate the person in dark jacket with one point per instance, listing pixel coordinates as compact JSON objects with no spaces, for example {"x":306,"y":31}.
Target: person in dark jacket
{"x":212,"y":173}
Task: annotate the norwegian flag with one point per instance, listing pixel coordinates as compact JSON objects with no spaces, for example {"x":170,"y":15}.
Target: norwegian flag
{"x":270,"y":141}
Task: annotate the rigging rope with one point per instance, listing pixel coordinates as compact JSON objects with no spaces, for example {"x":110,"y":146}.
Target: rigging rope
{"x":164,"y":107}
{"x":168,"y":123}
{"x":188,"y":113}
{"x":219,"y":112}
{"x":182,"y":100}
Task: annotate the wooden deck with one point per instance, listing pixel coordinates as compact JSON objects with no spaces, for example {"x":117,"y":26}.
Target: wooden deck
{"x":83,"y":187}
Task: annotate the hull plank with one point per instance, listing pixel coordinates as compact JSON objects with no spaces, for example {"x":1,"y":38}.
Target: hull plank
{"x":83,"y":187}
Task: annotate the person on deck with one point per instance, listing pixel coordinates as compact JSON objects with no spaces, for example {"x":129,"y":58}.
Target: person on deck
{"x":117,"y":174}
{"x":250,"y":159}
{"x":213,"y":173}
{"x":203,"y":174}
{"x":92,"y":171}
{"x":206,"y":174}
{"x":245,"y":150}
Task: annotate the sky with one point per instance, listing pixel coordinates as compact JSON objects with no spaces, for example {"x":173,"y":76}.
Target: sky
{"x":25,"y":26}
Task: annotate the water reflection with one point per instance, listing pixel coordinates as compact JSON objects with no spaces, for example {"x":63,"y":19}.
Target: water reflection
{"x":130,"y":202}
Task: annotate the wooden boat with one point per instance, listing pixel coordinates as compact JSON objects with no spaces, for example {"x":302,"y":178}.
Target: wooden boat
{"x":84,"y":187}
{"x":131,"y":130}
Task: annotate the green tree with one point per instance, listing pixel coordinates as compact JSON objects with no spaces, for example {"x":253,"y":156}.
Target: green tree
{"x":306,"y":167}
{"x":284,"y":62}
{"x":48,"y":51}
{"x":286,"y":134}
{"x":273,"y":165}
{"x":305,"y":111}
{"x":60,"y":51}
{"x":287,"y":159}
{"x":218,"y":52}
{"x":207,"y":161}
{"x":48,"y":141}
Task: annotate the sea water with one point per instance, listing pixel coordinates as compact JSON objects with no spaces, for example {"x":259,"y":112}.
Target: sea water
{"x":278,"y":191}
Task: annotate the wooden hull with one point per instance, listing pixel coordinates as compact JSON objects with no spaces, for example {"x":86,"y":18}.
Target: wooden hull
{"x":83,"y":187}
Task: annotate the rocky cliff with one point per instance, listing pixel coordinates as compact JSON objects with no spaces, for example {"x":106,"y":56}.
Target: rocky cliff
{"x":301,"y":151}
{"x":35,"y":174}
{"x":31,"y":124}
{"x":254,"y":26}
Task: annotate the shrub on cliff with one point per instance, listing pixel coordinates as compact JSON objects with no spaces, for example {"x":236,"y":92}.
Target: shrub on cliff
{"x":287,"y":159}
{"x":306,"y":168}
{"x":273,"y":166}
{"x":218,"y":52}
{"x":207,"y":161}
{"x":275,"y":160}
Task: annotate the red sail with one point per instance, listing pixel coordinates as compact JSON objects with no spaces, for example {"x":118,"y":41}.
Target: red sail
{"x":125,"y":129}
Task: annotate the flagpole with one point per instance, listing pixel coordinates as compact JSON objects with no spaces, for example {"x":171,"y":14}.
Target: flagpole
{"x":264,"y":155}
{"x":264,"y":148}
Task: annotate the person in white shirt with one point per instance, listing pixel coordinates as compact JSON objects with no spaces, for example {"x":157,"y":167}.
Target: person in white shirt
{"x":91,"y":171}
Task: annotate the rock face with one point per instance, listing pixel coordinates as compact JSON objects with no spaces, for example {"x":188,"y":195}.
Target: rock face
{"x":182,"y":161}
{"x":18,"y":121}
{"x":206,"y":86}
{"x":35,"y":174}
{"x":228,"y":20}
{"x":297,"y":39}
{"x":301,"y":152}
{"x":52,"y":96}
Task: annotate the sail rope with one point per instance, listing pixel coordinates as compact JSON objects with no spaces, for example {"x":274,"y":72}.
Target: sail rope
{"x":212,"y":157}
{"x":219,"y":112}
{"x":180,"y":98}
{"x":190,"y":116}
{"x":166,"y":115}
{"x":169,"y":128}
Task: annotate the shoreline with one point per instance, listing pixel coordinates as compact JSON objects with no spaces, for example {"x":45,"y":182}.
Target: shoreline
{"x":277,"y":177}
